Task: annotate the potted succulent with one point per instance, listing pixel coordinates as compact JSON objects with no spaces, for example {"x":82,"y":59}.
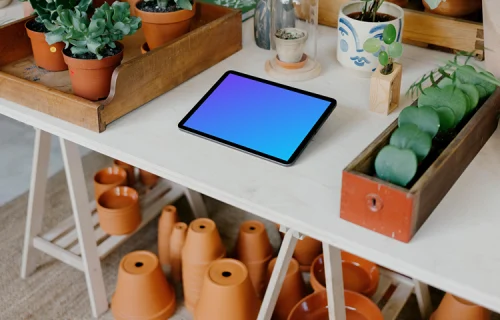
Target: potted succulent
{"x":290,"y":44}
{"x":164,"y":20}
{"x":452,"y":8}
{"x":92,"y":49}
{"x":359,"y":21}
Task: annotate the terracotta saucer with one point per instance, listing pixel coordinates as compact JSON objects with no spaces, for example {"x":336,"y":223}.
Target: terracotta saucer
{"x":292,"y":65}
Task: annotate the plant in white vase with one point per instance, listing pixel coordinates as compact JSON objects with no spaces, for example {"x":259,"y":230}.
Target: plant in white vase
{"x":290,"y":44}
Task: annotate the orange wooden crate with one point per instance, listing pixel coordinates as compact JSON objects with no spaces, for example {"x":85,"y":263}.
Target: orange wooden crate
{"x":399,"y":212}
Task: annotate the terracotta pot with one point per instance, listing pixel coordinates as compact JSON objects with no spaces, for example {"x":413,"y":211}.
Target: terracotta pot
{"x":314,"y":307}
{"x":227,"y":293}
{"x":165,"y":225}
{"x":203,"y":245}
{"x":455,"y":8}
{"x":160,"y":28}
{"x":49,"y":57}
{"x":144,"y":48}
{"x":401,"y":3}
{"x":119,"y":211}
{"x":292,"y":291}
{"x":109,"y":178}
{"x":148,"y":179}
{"x":454,"y":308}
{"x":142,"y":292}
{"x":91,"y":78}
{"x":306,"y":251}
{"x":359,"y":275}
{"x":177,"y":240}
{"x":129,"y":169}
{"x":132,"y":4}
{"x":254,"y":250}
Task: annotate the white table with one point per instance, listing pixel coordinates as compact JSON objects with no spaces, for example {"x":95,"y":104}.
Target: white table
{"x":456,"y":248}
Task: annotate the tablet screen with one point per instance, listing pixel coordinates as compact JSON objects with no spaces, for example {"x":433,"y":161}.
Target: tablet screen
{"x":258,"y":116}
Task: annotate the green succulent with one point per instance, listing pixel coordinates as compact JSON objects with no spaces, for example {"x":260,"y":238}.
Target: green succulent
{"x":95,"y":35}
{"x":181,"y":4}
{"x":48,"y":10}
{"x":394,"y":49}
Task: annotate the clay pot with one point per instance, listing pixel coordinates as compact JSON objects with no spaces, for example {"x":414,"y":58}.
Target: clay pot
{"x":109,"y":178}
{"x":452,"y":308}
{"x":144,"y":48}
{"x":401,"y":3}
{"x":254,"y":250}
{"x":142,"y":292}
{"x":203,"y":245}
{"x":165,"y":225}
{"x":455,"y":8}
{"x":292,"y":65}
{"x":129,"y":169}
{"x":132,"y":4}
{"x":227,"y":293}
{"x":49,"y":57}
{"x":91,"y":78}
{"x":119,"y":211}
{"x":306,"y":251}
{"x":160,"y":28}
{"x":292,"y":291}
{"x":177,"y":240}
{"x":148,"y":179}
{"x":359,"y":275}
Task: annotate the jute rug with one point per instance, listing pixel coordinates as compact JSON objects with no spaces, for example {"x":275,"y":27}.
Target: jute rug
{"x":58,"y":291}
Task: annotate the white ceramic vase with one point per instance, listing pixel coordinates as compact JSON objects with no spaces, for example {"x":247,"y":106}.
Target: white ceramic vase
{"x":4,"y":3}
{"x":353,"y":33}
{"x":291,"y":50}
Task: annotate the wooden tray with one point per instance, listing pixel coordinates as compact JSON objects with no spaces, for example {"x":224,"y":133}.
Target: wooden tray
{"x":399,"y":212}
{"x":216,"y":34}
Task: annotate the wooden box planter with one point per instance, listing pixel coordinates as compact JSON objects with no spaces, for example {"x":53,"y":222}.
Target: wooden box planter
{"x":215,"y":34}
{"x":399,"y":212}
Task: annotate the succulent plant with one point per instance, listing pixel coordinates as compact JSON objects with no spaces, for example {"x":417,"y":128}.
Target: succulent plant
{"x":394,"y":49}
{"x":181,"y":4}
{"x":48,"y":10}
{"x":96,"y":35}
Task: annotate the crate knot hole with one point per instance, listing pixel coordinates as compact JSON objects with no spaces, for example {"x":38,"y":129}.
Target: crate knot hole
{"x":374,"y":202}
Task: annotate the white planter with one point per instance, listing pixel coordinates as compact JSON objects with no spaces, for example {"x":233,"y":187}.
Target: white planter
{"x":353,"y":33}
{"x":291,"y":50}
{"x":4,"y":3}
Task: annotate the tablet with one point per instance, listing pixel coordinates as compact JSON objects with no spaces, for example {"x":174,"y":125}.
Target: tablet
{"x":260,"y":117}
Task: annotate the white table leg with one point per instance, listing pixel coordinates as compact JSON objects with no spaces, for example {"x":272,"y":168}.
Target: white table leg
{"x":423,"y":299}
{"x":196,"y":203}
{"x":279,"y":273}
{"x":334,"y":282}
{"x":84,"y":227}
{"x":36,"y":201}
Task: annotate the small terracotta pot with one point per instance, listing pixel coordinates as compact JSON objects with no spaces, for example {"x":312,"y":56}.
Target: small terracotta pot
{"x":292,"y":291}
{"x":306,"y":251}
{"x":49,"y":57}
{"x":91,"y":78}
{"x":132,"y":4}
{"x":401,"y":3}
{"x":160,"y":28}
{"x":227,"y":293}
{"x":142,"y":291}
{"x":109,"y":178}
{"x":254,"y":250}
{"x":359,"y":275}
{"x":452,"y":308}
{"x":119,"y":211}
{"x":455,"y":8}
{"x":165,"y":225}
{"x":292,"y":65}
{"x":144,"y":48}
{"x":129,"y":169}
{"x":203,"y":245}
{"x":177,"y":240}
{"x":147,"y":178}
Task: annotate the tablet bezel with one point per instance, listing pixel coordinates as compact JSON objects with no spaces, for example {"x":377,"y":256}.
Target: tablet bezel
{"x":302,"y":145}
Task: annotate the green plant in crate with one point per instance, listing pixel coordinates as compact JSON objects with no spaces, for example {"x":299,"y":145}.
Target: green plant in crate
{"x":48,"y":10}
{"x":385,"y":57}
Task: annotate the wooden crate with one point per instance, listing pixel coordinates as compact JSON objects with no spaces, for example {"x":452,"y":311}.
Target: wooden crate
{"x":216,"y":34}
{"x":424,"y":29}
{"x":399,"y":212}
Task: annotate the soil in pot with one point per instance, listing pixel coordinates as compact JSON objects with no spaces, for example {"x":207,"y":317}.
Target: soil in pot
{"x":163,"y":25}
{"x":48,"y":57}
{"x":379,"y":17}
{"x":90,"y":77}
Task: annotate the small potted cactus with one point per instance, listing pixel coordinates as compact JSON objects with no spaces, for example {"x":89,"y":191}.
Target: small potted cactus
{"x":164,"y":20}
{"x":290,"y":44}
{"x":92,"y":49}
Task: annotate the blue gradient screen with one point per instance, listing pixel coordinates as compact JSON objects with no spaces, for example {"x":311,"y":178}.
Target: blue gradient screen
{"x":258,"y":116}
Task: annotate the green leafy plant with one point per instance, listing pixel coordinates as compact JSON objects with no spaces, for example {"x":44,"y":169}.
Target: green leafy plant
{"x":87,"y":37}
{"x":164,"y":4}
{"x":385,"y":57}
{"x":370,"y":9}
{"x":48,"y":10}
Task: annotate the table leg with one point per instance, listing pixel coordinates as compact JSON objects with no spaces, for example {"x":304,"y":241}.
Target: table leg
{"x":36,"y":201}
{"x":279,"y":273}
{"x":84,"y":227}
{"x":196,"y":203}
{"x":423,"y":299}
{"x":334,"y":282}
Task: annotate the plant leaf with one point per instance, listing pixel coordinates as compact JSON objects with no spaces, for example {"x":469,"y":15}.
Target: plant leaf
{"x":383,"y":58}
{"x":409,"y":136}
{"x":389,"y":35}
{"x":395,"y":165}
{"x":467,"y":74}
{"x":395,"y":50}
{"x":446,"y":118}
{"x":449,"y":96}
{"x":184,"y":4}
{"x":425,"y":118}
{"x":372,"y":45}
{"x":471,"y":92}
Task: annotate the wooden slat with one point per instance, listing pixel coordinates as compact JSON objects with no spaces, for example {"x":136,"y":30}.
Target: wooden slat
{"x":58,"y":253}
{"x":72,"y":236}
{"x":397,"y":301}
{"x":14,"y":43}
{"x":383,"y":285}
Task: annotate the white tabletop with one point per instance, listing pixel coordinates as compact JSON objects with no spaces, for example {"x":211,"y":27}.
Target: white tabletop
{"x":456,"y":248}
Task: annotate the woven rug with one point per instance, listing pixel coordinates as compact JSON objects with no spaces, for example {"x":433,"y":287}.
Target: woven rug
{"x":58,"y":291}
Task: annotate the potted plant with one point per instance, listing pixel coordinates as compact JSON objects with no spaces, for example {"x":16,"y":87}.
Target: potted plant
{"x":290,"y":44}
{"x":92,"y":49}
{"x":164,"y":20}
{"x":359,"y":21}
{"x":452,"y":8}
{"x":386,"y":80}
